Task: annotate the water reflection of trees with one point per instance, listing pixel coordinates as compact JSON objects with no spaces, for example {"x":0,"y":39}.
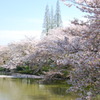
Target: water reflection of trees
{"x":27,"y":89}
{"x":39,"y":97}
{"x":58,"y":90}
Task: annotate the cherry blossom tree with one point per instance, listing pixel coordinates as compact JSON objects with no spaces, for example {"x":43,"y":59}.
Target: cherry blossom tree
{"x":87,"y":69}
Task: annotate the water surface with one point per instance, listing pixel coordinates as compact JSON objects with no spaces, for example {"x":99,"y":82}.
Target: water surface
{"x":28,"y":89}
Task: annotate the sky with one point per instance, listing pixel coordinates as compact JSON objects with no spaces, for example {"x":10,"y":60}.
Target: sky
{"x":24,"y":18}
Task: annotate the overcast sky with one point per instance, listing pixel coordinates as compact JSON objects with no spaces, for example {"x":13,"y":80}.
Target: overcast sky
{"x":20,"y":18}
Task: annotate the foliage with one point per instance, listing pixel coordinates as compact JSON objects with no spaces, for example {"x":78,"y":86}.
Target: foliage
{"x":46,"y":24}
{"x":2,"y":69}
{"x":87,"y":70}
{"x":58,"y":20}
{"x":52,"y":20}
{"x":14,"y":54}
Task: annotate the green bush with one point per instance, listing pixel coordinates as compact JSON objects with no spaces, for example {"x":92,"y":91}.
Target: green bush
{"x":2,"y":69}
{"x":65,"y":72}
{"x":47,"y":68}
{"x":21,"y":68}
{"x":26,"y":72}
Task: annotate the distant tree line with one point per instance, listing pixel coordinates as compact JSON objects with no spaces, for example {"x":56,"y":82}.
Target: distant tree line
{"x":52,"y":20}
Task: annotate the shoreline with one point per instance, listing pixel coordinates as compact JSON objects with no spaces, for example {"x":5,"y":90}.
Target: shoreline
{"x":22,"y":76}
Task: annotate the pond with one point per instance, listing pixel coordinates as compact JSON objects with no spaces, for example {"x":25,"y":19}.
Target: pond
{"x":29,"y":89}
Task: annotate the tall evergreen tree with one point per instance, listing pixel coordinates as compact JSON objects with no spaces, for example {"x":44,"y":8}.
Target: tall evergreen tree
{"x":52,"y":23}
{"x":52,"y":20}
{"x":46,"y":24}
{"x":58,"y":20}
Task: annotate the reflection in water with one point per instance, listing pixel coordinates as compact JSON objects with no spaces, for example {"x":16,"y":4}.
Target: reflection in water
{"x":28,"y":89}
{"x":58,"y":90}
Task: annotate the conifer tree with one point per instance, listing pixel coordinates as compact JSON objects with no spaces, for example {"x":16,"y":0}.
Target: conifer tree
{"x":52,"y":24}
{"x":46,"y":24}
{"x":52,"y":20}
{"x":58,"y":20}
